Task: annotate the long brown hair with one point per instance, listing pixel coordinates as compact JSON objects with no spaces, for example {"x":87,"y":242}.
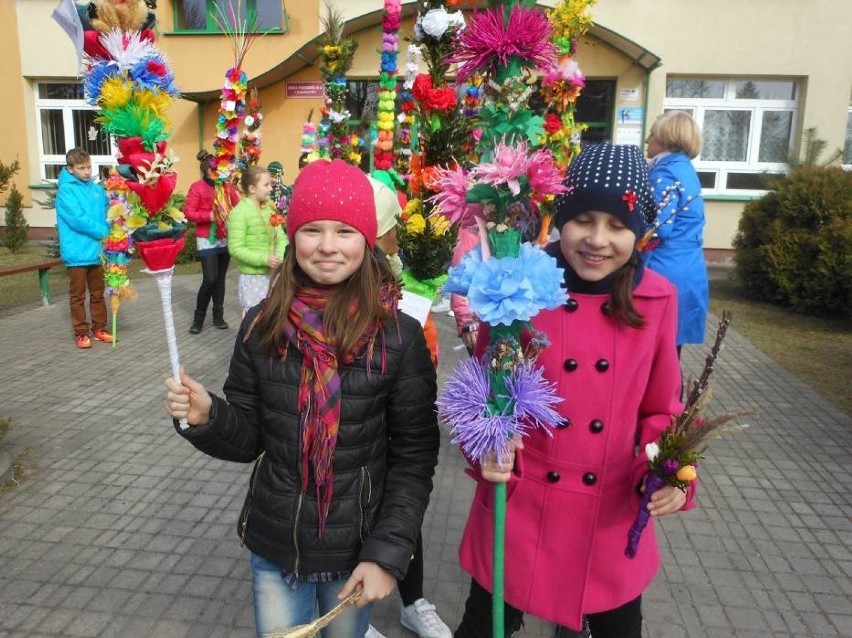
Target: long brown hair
{"x":621,"y":307}
{"x":365,"y":285}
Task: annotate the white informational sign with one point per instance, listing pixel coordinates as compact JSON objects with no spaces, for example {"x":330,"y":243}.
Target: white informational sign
{"x":628,"y":135}
{"x":415,"y":306}
{"x":628,"y":95}
{"x":630,"y":115}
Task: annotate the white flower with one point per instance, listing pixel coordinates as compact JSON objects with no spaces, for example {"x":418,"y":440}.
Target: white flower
{"x":457,"y":21}
{"x":651,"y":451}
{"x":249,"y":120}
{"x":435,"y":22}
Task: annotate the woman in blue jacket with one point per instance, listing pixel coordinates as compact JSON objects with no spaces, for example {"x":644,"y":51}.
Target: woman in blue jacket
{"x":678,"y":252}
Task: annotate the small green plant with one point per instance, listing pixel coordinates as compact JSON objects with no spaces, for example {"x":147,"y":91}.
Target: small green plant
{"x":7,"y":172}
{"x":4,"y":428}
{"x":17,"y":227}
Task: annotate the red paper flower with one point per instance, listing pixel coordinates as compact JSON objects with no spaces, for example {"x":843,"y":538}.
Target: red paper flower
{"x":552,"y":123}
{"x":160,"y":254}
{"x":155,"y":196}
{"x":631,"y":198}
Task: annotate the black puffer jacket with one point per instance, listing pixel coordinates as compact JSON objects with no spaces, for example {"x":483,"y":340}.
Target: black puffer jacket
{"x":385,"y":456}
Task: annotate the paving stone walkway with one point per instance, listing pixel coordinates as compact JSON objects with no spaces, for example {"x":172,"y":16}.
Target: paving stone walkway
{"x":122,"y":529}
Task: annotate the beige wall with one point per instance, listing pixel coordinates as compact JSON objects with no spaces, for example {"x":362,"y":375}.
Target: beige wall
{"x":14,"y":146}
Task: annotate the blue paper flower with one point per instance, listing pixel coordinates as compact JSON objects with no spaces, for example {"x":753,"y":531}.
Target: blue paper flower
{"x":509,"y":289}
{"x":460,"y":276}
{"x":98,"y":73}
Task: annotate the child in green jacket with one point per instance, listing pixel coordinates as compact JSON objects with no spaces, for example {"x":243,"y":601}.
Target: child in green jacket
{"x":255,"y":240}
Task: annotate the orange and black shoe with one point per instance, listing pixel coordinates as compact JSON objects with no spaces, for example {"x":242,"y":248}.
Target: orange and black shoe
{"x":102,"y":335}
{"x":83,"y":341}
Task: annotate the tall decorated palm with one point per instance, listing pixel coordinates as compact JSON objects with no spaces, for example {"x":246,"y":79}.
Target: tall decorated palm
{"x":508,"y":278}
{"x":129,"y":78}
{"x":334,"y":137}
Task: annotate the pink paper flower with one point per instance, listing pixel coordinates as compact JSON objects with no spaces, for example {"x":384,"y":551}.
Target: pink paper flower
{"x":508,"y":164}
{"x":489,"y":41}
{"x":450,"y":202}
{"x":543,"y":175}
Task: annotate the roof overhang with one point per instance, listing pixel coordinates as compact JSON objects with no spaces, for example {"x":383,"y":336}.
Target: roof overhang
{"x":307,"y":55}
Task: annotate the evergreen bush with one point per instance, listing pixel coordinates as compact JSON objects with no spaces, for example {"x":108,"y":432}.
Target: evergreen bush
{"x":794,"y":245}
{"x":15,"y":235}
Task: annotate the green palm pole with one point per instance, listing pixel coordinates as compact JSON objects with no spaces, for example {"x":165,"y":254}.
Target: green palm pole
{"x":498,"y":381}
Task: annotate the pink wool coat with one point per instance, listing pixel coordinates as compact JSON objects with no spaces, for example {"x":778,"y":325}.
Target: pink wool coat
{"x":573,"y":496}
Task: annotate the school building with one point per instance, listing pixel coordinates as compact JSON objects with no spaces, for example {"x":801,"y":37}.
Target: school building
{"x":755,"y":74}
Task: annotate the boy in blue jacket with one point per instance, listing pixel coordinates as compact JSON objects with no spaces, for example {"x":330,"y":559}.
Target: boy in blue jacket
{"x":81,"y":207}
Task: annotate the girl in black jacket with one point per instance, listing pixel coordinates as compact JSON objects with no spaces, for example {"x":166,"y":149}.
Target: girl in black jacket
{"x":331,"y":393}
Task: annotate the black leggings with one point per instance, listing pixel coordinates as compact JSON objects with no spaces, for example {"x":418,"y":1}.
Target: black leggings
{"x":214,"y":267}
{"x":622,"y":622}
{"x":411,"y":587}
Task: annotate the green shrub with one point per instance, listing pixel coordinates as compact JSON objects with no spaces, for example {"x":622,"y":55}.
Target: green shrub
{"x":794,"y":245}
{"x":189,"y":254}
{"x":15,"y":235}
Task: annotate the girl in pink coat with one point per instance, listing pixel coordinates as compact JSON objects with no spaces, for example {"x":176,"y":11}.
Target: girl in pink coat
{"x":573,"y":496}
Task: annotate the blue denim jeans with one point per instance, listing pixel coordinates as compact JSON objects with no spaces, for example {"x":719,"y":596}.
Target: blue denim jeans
{"x":279,"y":606}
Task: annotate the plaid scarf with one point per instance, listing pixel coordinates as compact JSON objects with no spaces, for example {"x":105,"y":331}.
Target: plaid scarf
{"x":319,"y":384}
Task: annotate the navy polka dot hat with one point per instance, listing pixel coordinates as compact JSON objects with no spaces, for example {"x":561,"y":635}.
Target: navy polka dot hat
{"x":611,"y":178}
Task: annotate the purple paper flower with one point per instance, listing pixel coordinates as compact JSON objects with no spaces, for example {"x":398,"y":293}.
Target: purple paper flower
{"x":671,"y":466}
{"x":463,"y":406}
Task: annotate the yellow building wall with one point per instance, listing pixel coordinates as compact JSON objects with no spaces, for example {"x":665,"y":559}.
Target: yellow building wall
{"x":779,"y":38}
{"x":14,"y":145}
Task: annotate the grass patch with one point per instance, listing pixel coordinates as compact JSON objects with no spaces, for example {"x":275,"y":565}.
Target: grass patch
{"x":817,"y":350}
{"x":23,"y":287}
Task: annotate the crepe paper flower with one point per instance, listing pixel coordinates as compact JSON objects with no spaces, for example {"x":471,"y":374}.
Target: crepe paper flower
{"x":542,"y":174}
{"x":436,"y":23}
{"x":651,"y":451}
{"x":490,"y":42}
{"x":684,"y":441}
{"x":451,"y":199}
{"x":502,"y":291}
{"x":127,"y":48}
{"x":465,"y":406}
{"x":507,"y":165}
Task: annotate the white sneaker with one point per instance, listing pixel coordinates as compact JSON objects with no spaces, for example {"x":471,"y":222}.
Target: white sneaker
{"x":441,"y":305}
{"x":372,"y":632}
{"x":423,"y":620}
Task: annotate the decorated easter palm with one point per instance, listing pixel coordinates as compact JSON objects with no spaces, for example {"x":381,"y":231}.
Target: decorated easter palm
{"x":507,"y":279}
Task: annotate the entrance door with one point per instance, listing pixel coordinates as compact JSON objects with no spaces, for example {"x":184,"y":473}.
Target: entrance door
{"x":595,"y":109}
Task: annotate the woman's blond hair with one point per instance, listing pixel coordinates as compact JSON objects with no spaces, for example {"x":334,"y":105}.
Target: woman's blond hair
{"x":678,"y":132}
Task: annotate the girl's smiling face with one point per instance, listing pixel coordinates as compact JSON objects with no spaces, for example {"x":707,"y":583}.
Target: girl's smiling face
{"x":596,"y":244}
{"x":329,"y":252}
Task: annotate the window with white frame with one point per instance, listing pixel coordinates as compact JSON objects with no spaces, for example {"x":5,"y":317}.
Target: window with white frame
{"x":847,"y":147}
{"x":63,"y":121}
{"x":748,"y":126}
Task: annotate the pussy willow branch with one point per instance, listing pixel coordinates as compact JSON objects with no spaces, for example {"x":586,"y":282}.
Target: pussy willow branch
{"x":700,"y":385}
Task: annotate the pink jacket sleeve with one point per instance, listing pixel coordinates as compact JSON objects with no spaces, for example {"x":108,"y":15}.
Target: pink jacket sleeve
{"x":468,"y":238}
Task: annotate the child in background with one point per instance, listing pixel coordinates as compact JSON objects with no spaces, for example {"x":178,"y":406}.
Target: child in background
{"x":253,"y":241}
{"x":280,"y":197}
{"x":331,"y":394}
{"x":573,"y":492}
{"x":211,"y":236}
{"x":81,"y":207}
{"x":417,"y":613}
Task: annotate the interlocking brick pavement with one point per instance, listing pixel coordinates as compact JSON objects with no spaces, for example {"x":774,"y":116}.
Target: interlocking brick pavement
{"x":123,"y":529}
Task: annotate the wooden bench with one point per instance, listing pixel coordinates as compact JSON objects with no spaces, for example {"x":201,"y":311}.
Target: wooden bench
{"x":42,"y":268}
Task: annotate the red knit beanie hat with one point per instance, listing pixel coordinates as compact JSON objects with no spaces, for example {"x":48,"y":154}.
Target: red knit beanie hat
{"x":333,"y":190}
